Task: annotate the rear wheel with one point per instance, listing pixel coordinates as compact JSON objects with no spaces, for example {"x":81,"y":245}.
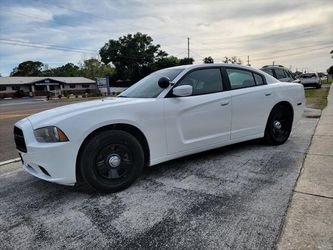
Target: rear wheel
{"x":111,"y":161}
{"x":279,"y":124}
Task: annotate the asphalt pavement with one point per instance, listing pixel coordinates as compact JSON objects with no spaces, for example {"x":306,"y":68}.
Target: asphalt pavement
{"x":234,"y":197}
{"x":12,"y":111}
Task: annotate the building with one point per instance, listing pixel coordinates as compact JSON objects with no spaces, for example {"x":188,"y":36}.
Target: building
{"x":105,"y":87}
{"x":42,"y":86}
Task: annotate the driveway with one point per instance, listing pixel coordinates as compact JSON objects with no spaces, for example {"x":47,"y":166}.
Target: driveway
{"x":12,"y":111}
{"x":233,"y":197}
{"x":20,"y":101}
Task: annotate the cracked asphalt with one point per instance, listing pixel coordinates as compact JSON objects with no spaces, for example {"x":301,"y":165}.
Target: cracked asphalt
{"x":232,"y":197}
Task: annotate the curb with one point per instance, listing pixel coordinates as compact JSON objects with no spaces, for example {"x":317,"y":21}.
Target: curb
{"x":9,"y":161}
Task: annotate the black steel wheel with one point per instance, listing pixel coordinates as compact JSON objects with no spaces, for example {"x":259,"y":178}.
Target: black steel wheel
{"x":111,"y":161}
{"x":279,"y":125}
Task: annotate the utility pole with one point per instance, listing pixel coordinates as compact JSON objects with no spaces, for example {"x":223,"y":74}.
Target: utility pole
{"x":273,"y":63}
{"x":248,"y":61}
{"x":188,"y":48}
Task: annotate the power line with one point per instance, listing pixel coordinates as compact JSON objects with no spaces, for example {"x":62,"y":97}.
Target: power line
{"x":40,"y":47}
{"x":47,"y":45}
{"x":294,"y":54}
{"x":329,"y":45}
{"x":292,"y":49}
{"x":253,"y":36}
{"x":61,"y":49}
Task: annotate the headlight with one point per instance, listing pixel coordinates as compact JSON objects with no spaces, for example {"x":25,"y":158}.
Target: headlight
{"x":50,"y":134}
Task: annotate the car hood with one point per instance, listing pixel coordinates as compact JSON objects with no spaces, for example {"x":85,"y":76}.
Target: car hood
{"x":52,"y":116}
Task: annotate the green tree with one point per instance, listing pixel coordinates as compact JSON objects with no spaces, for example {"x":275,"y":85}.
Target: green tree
{"x":132,"y":55}
{"x":330,"y":70}
{"x":28,"y":68}
{"x":232,"y":60}
{"x":93,"y":68}
{"x":69,"y":69}
{"x":166,"y":62}
{"x":208,"y":59}
{"x":186,"y":61}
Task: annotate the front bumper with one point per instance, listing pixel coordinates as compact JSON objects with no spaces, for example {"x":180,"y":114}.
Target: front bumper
{"x":54,"y":162}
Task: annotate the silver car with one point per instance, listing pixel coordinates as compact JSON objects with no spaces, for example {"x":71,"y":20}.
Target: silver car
{"x":310,"y":80}
{"x":281,"y":73}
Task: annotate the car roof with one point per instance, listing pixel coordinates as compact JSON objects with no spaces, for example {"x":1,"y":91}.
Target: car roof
{"x":274,"y":66}
{"x":209,"y":65}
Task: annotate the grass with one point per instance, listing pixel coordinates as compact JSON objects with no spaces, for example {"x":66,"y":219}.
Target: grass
{"x":326,"y":81}
{"x":317,"y":98}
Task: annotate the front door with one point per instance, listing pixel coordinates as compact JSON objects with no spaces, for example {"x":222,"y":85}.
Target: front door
{"x":200,"y":120}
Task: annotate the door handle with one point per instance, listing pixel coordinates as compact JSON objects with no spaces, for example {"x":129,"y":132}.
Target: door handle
{"x":268,"y":94}
{"x":224,"y":103}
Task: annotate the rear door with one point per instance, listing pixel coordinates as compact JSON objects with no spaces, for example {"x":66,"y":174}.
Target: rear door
{"x":251,"y":100}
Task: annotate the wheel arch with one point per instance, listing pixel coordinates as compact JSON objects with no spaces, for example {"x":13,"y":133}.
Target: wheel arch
{"x":133,"y":130}
{"x":285,"y":104}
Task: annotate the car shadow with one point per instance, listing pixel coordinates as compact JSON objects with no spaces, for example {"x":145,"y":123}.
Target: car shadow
{"x":148,"y":172}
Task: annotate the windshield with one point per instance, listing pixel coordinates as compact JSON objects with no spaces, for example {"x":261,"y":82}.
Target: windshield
{"x":309,"y":75}
{"x":148,"y":86}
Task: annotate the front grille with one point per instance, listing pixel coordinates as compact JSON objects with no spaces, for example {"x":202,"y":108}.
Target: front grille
{"x":19,"y":140}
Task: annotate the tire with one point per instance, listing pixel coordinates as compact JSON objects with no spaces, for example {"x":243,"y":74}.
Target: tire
{"x":111,"y":161}
{"x":279,"y":125}
{"x":318,"y":86}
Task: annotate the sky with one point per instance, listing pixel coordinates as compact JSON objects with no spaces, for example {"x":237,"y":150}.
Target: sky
{"x":296,"y":33}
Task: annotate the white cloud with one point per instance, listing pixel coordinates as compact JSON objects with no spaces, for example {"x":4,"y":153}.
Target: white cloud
{"x":261,"y":29}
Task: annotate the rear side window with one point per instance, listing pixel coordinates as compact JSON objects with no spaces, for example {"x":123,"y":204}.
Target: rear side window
{"x":204,"y":81}
{"x":240,"y":78}
{"x":259,"y":79}
{"x":268,"y":71}
{"x":280,"y":73}
{"x":291,"y":75}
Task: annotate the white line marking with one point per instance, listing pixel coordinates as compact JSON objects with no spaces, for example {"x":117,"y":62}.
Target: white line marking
{"x":9,"y":161}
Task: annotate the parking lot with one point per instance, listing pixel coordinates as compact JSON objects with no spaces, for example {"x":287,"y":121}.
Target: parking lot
{"x":233,"y":197}
{"x":12,"y":111}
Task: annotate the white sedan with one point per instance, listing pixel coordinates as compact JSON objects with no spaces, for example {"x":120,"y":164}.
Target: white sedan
{"x":168,"y":114}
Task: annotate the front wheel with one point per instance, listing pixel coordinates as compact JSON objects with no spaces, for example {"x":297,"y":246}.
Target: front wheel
{"x":111,"y":161}
{"x":279,"y":124}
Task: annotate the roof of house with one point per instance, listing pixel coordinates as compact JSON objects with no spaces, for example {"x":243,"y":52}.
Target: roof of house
{"x":14,"y":80}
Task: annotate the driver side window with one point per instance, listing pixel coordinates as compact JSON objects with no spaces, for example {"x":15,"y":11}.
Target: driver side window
{"x":204,"y":81}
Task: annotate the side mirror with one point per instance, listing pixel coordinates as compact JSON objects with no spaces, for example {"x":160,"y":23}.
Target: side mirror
{"x":164,"y":82}
{"x":184,"y":90}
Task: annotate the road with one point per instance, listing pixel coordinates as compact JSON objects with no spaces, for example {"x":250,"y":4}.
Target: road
{"x":233,"y":197}
{"x":12,"y":111}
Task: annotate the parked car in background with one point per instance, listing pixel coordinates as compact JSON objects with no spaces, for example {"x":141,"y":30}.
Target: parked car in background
{"x":310,"y":80}
{"x":168,"y":114}
{"x":281,"y":73}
